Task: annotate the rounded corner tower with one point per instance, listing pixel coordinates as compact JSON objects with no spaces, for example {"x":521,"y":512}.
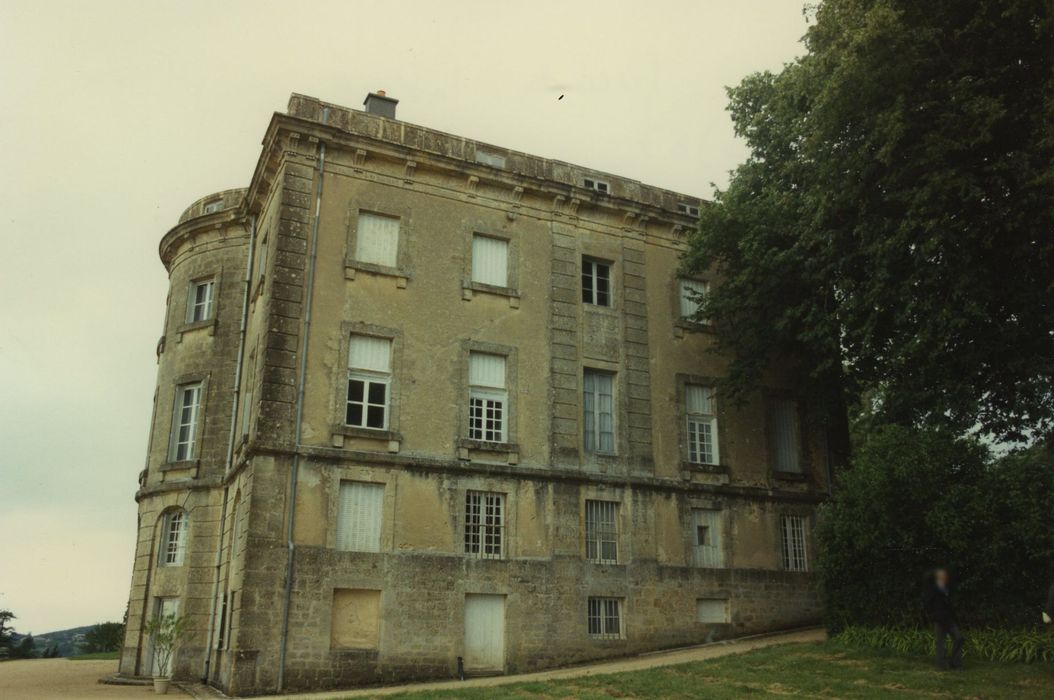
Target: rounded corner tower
{"x":181,"y":494}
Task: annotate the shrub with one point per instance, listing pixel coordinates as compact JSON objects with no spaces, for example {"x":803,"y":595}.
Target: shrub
{"x":1022,"y":645}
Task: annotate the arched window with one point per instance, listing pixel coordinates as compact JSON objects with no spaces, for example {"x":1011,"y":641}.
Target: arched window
{"x":173,"y":538}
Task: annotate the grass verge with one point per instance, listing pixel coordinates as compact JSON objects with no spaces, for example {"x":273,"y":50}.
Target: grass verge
{"x":97,"y":656}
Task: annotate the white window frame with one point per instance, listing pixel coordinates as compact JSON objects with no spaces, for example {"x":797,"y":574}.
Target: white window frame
{"x":200,"y":309}
{"x":488,"y":407}
{"x":368,"y":377}
{"x":591,"y":287}
{"x":592,"y":183}
{"x":708,"y":525}
{"x":485,"y":514}
{"x":186,"y":418}
{"x":689,"y":306}
{"x":793,"y":542}
{"x":689,"y":209}
{"x":605,"y":618}
{"x":354,"y":536}
{"x":173,"y":546}
{"x":701,"y":420}
{"x":498,"y":277}
{"x":602,"y":531}
{"x":593,"y":413}
{"x":363,"y":253}
{"x":213,"y":206}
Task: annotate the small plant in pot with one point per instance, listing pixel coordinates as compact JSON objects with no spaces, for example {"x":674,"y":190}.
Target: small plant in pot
{"x":165,"y":632}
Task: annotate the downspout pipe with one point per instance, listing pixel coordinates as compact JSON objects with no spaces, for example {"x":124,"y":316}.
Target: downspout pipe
{"x":236,"y":409}
{"x":295,"y":469}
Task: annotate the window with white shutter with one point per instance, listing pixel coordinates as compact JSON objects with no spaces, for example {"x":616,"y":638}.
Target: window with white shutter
{"x":199,"y":305}
{"x":692,"y":294}
{"x":185,"y":422}
{"x":713,"y":611}
{"x":598,"y":411}
{"x":490,"y":261}
{"x":792,"y":538}
{"x":707,"y":539}
{"x":702,"y":424}
{"x":377,"y":239}
{"x":785,"y":435}
{"x":369,"y":380}
{"x":602,"y":531}
{"x":488,"y":397}
{"x":359,"y":516}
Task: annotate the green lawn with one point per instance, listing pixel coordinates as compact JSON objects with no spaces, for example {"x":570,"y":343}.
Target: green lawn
{"x":797,"y":670}
{"x":97,"y":656}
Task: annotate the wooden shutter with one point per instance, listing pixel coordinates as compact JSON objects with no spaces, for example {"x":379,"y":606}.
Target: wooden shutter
{"x":359,"y":516}
{"x":485,"y":369}
{"x":783,"y":417}
{"x":490,"y":261}
{"x":710,"y":553}
{"x":377,"y":239}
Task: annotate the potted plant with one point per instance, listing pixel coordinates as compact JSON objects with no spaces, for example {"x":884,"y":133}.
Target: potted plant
{"x":165,"y":631}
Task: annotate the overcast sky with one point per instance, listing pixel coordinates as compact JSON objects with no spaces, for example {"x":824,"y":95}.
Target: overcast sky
{"x":114,"y":116}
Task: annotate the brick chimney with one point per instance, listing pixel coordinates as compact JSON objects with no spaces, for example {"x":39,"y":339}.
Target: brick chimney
{"x":380,"y":104}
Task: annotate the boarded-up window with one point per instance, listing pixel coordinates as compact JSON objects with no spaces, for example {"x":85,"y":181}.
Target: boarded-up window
{"x":707,"y":538}
{"x":377,"y":239}
{"x":490,"y":261}
{"x":712,"y":611}
{"x":784,"y":435}
{"x":355,"y":622}
{"x":359,"y":516}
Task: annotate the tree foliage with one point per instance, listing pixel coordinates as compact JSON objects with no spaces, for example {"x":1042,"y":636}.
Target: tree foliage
{"x":893,"y":226}
{"x":106,"y":636}
{"x":914,"y":500}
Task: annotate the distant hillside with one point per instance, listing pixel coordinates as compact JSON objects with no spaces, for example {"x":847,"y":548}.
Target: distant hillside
{"x":68,"y":641}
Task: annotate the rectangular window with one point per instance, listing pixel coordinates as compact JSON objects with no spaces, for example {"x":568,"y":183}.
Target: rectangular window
{"x":484,"y":524}
{"x":785,"y":435}
{"x":369,"y":378}
{"x":602,"y":531}
{"x":598,"y":185}
{"x":359,"y":516}
{"x":702,"y":424}
{"x":377,"y":239}
{"x":596,"y":282}
{"x":199,"y":306}
{"x":712,"y":611}
{"x":491,"y":159}
{"x":490,"y":261}
{"x":605,"y":618}
{"x":174,"y":538}
{"x":707,"y":539}
{"x":213,"y":206}
{"x":692,"y":294}
{"x":185,"y":422}
{"x":792,"y":536}
{"x":598,"y":408}
{"x":488,"y":398}
{"x":689,"y":209}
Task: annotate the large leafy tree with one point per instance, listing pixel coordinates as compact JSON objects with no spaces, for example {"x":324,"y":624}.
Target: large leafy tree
{"x":893,"y":226}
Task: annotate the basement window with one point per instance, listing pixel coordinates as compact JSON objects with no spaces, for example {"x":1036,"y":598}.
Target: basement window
{"x":598,"y":185}
{"x":605,"y":618}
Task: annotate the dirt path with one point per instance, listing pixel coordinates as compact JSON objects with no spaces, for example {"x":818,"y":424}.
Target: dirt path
{"x":635,"y":663}
{"x":37,"y":679}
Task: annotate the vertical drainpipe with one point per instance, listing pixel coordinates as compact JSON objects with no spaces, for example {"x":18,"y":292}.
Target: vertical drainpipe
{"x":295,"y":469}
{"x":235,"y":411}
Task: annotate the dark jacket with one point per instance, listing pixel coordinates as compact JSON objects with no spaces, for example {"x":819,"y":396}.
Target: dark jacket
{"x":938,"y":607}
